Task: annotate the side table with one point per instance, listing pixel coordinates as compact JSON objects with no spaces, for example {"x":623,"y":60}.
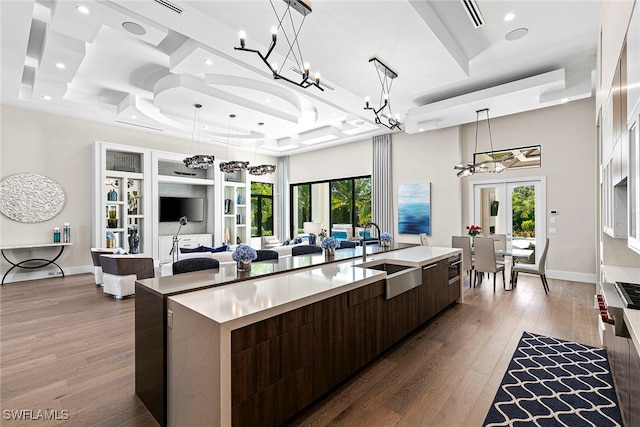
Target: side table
{"x":29,"y":263}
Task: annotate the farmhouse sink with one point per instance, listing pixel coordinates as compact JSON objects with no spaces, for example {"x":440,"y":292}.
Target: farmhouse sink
{"x":400,"y":278}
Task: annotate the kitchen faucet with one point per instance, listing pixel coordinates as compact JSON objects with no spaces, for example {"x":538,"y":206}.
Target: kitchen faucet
{"x":364,"y":239}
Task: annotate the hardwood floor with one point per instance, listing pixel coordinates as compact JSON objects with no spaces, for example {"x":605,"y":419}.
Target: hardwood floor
{"x":67,"y":346}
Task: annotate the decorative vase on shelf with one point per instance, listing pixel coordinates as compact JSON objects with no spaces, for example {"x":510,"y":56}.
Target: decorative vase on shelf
{"x":112,"y":196}
{"x":244,"y":265}
{"x":134,"y":242}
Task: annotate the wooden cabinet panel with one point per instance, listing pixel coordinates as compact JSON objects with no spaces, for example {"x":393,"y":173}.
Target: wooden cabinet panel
{"x":634,"y":386}
{"x":401,"y":316}
{"x":428,"y":292}
{"x":454,"y":291}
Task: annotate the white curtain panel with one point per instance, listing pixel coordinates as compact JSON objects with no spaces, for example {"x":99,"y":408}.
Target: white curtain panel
{"x":381,"y":190}
{"x":283,"y":197}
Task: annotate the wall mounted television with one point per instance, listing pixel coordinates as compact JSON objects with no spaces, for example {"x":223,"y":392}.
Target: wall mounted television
{"x":173,"y":208}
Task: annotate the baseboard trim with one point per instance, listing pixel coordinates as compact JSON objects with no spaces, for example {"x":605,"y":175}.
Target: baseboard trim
{"x":21,"y":275}
{"x":571,"y":276}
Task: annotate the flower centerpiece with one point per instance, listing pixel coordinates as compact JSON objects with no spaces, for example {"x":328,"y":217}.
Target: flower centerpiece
{"x":322,"y":234}
{"x":330,"y":244}
{"x":474,"y":230}
{"x":243,"y":255}
{"x":386,"y":238}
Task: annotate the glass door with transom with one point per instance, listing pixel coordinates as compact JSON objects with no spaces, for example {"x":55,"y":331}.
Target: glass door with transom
{"x":513,"y":208}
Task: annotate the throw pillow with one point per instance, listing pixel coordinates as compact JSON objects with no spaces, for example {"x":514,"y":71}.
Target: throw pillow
{"x":190,"y":250}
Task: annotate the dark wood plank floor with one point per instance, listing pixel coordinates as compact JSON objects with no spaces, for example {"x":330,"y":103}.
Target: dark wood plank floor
{"x":65,"y":345}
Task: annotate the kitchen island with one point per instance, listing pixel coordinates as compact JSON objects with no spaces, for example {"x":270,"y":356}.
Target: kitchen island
{"x":258,"y":351}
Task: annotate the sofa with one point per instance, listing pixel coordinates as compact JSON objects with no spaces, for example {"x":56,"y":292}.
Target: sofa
{"x":224,"y":258}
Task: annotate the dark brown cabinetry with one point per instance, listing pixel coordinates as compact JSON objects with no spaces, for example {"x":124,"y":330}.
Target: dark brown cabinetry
{"x":282,"y":364}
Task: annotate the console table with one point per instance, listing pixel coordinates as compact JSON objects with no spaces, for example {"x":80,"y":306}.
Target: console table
{"x":42,"y":262}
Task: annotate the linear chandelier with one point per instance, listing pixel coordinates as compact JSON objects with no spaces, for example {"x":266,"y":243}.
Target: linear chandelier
{"x":294,"y":45}
{"x":491,"y":165}
{"x":385,"y":76}
{"x":198,"y":161}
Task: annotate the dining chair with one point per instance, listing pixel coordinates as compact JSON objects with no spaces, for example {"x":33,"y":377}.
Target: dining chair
{"x":464,"y":243}
{"x":500,"y":244}
{"x":540,"y":270}
{"x":194,"y":264}
{"x":265,"y":255}
{"x":424,"y":240}
{"x":485,"y":259}
{"x":305,"y":249}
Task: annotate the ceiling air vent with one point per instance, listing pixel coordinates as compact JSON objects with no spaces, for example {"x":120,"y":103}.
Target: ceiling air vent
{"x":169,"y":5}
{"x":473,"y":12}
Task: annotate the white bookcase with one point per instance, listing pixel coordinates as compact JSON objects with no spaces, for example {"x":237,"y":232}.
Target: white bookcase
{"x":121,"y":185}
{"x":236,"y":208}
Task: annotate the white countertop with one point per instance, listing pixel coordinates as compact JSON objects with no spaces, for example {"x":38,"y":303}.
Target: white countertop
{"x":632,"y":320}
{"x":243,"y":303}
{"x":621,"y":274}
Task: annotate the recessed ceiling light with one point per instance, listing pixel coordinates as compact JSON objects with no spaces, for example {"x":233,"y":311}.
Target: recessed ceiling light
{"x":133,"y":28}
{"x":133,"y":116}
{"x":564,"y":100}
{"x":267,"y":100}
{"x":509,"y":16}
{"x":208,"y":62}
{"x":359,"y":123}
{"x":516,"y":34}
{"x":46,"y":97}
{"x":421,"y":130}
{"x":61,"y":65}
{"x":83,"y":10}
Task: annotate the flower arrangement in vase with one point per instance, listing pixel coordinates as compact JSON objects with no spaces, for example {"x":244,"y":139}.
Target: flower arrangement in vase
{"x":386,"y":239}
{"x":330,"y":244}
{"x":243,"y":255}
{"x":474,"y":230}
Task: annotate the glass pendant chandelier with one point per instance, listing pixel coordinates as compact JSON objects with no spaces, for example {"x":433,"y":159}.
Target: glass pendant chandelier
{"x":232,"y":166}
{"x":198,"y":161}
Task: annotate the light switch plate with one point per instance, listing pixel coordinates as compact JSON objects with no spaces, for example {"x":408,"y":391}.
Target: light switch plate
{"x":552,"y":231}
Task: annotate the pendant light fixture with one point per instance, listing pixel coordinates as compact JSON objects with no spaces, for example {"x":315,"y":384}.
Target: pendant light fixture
{"x":198,"y":161}
{"x":232,"y":166}
{"x":294,"y":45}
{"x":383,"y":114}
{"x":492,"y":165}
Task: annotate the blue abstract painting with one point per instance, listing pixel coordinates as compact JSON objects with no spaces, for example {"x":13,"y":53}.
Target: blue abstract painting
{"x":414,"y":208}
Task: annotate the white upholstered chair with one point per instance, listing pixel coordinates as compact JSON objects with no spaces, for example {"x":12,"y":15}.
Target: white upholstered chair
{"x":540,"y":270}
{"x":424,"y":239}
{"x":485,"y":259}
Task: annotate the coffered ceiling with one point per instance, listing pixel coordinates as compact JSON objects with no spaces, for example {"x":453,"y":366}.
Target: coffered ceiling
{"x":143,"y":64}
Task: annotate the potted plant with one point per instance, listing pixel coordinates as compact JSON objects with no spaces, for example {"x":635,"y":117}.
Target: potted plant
{"x":243,"y":255}
{"x":330,"y":244}
{"x":386,"y":239}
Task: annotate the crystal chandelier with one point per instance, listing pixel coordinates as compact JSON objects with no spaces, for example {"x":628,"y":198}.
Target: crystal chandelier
{"x":262,"y":169}
{"x":292,"y":40}
{"x":232,"y":166}
{"x":198,"y":161}
{"x":491,"y":165}
{"x":384,"y":118}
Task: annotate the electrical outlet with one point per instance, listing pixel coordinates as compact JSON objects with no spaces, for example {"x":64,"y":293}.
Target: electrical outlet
{"x":552,"y":231}
{"x":552,"y":220}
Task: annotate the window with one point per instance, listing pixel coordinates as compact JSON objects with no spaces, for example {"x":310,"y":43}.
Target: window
{"x":261,"y":209}
{"x":342,"y":204}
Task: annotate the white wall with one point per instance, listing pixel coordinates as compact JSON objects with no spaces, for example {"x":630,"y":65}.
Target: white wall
{"x":423,"y":157}
{"x":567,"y":139}
{"x":60,"y":148}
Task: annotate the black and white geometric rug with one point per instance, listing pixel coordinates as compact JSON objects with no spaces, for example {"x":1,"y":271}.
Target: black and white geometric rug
{"x":551,"y":382}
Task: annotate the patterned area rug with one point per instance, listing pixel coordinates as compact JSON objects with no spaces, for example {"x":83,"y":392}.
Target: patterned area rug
{"x":551,"y":382}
